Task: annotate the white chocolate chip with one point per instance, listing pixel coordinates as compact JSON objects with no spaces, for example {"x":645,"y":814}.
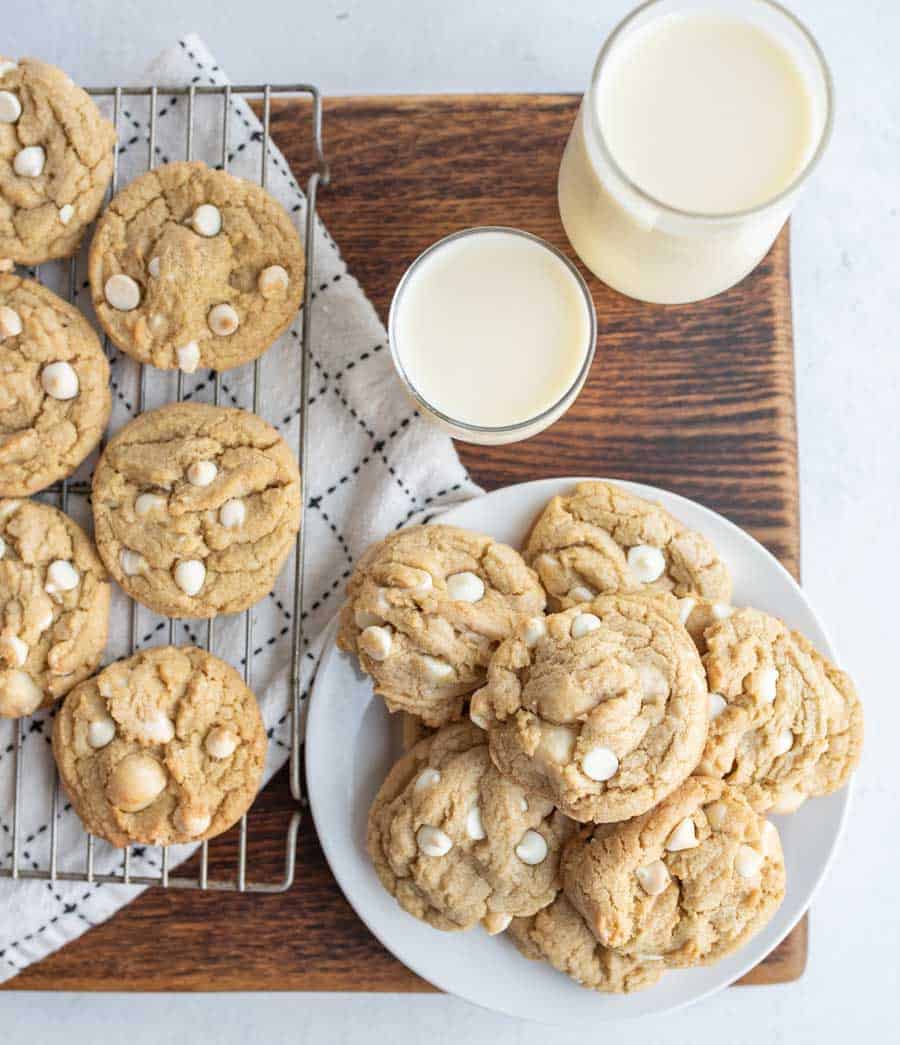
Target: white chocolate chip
{"x":10,"y":322}
{"x":192,"y":823}
{"x":66,"y":213}
{"x":207,"y":220}
{"x":686,"y":607}
{"x":190,"y":575}
{"x":223,"y":320}
{"x":232,"y":513}
{"x":716,"y":814}
{"x":10,"y":107}
{"x":427,"y":778}
{"x":432,"y":841}
{"x":600,"y":763}
{"x":477,"y":718}
{"x":148,"y":502}
{"x":153,"y":267}
{"x":767,"y":684}
{"x":556,"y":744}
{"x":437,"y":670}
{"x":7,"y":67}
{"x":654,"y":684}
{"x":580,"y":593}
{"x":523,"y":804}
{"x":2,"y":547}
{"x":532,"y":848}
{"x":683,"y":837}
{"x":61,"y":576}
{"x":584,"y":623}
{"x":495,"y":923}
{"x":647,"y":564}
{"x":789,"y":801}
{"x":44,"y":623}
{"x":19,"y":695}
{"x":132,"y":562}
{"x":748,"y":861}
{"x":654,"y":877}
{"x":363,"y":619}
{"x":59,"y":380}
{"x":159,"y":729}
{"x":769,"y":840}
{"x":18,"y":648}
{"x":717,"y":704}
{"x":474,"y":826}
{"x":784,"y":742}
{"x":101,"y":732}
{"x":29,"y":162}
{"x":721,"y":610}
{"x":122,"y":292}
{"x":533,"y":631}
{"x":465,"y":587}
{"x":220,"y":742}
{"x":202,"y":473}
{"x":135,"y":783}
{"x":376,"y":642}
{"x":188,"y":357}
{"x":272,"y":281}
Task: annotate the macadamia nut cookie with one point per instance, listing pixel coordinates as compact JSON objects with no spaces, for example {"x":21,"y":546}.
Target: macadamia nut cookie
{"x":54,"y":387}
{"x":426,"y":608}
{"x":165,"y":747}
{"x":196,"y":507}
{"x":54,"y":606}
{"x":786,"y":724}
{"x":685,"y":884}
{"x":456,"y":843}
{"x":559,"y":935}
{"x":601,"y":539}
{"x":192,"y":267}
{"x":601,"y":708}
{"x":56,"y":160}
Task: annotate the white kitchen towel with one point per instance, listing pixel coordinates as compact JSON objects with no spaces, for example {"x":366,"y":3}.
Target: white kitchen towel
{"x":375,"y":465}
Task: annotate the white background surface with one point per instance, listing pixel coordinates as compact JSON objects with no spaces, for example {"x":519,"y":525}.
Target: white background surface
{"x":846,"y":272}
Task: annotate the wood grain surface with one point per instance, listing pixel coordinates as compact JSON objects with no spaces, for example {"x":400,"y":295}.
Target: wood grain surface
{"x":697,"y":398}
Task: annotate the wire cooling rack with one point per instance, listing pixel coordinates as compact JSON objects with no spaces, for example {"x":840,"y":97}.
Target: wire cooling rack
{"x":60,"y":494}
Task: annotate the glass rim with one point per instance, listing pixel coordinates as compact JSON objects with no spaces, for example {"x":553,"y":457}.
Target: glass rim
{"x":723,"y":216}
{"x":468,"y":426}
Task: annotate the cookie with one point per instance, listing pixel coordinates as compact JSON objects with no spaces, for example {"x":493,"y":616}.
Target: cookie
{"x":601,"y":539}
{"x":426,"y":608}
{"x":56,"y":160}
{"x":54,"y":388}
{"x":787,"y":724}
{"x":456,"y":843}
{"x":196,"y":508}
{"x":54,"y":606}
{"x":191,"y":267}
{"x":685,"y":884}
{"x":601,"y":708}
{"x":165,"y":747}
{"x":558,"y":935}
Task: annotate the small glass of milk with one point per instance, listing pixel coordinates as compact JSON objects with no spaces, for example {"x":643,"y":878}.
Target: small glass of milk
{"x":492,"y":332}
{"x":702,"y":121}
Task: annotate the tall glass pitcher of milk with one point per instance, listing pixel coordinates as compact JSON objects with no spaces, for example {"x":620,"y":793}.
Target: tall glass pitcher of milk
{"x":702,"y":122}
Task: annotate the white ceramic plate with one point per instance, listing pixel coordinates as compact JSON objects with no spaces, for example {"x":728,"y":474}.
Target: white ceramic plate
{"x":351,"y":742}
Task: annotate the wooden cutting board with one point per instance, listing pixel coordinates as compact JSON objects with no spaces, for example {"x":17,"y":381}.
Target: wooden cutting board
{"x":697,"y":398}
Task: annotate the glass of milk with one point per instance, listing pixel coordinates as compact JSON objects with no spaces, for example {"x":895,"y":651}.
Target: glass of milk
{"x":702,"y":122}
{"x":492,"y":332}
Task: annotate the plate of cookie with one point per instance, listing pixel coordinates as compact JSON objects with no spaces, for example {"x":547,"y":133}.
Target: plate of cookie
{"x":579,"y":750}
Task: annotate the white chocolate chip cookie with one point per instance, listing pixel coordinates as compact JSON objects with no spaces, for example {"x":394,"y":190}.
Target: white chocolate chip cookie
{"x":426,"y":609}
{"x":56,"y":160}
{"x":686,"y":883}
{"x":791,"y":726}
{"x":559,"y":936}
{"x":165,"y":494}
{"x":54,"y":606}
{"x":601,"y":539}
{"x":456,"y":843}
{"x":165,"y":747}
{"x":54,"y":387}
{"x":605,"y":713}
{"x":182,"y":269}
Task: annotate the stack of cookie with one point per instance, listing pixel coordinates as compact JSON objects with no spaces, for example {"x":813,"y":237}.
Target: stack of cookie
{"x":597,"y":735}
{"x":196,"y":507}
